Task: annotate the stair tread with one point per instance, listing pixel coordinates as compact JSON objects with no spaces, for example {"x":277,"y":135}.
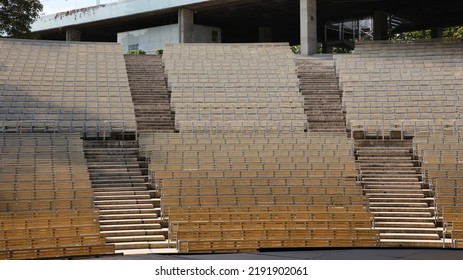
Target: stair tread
{"x":140,"y":238}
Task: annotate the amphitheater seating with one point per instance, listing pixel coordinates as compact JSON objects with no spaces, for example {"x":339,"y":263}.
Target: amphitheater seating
{"x":64,"y":87}
{"x":442,"y":164}
{"x":381,"y":80}
{"x":242,"y":228}
{"x":234,"y":87}
{"x":46,"y":200}
{"x":209,"y":182}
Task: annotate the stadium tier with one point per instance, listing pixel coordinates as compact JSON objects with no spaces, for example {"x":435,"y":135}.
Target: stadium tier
{"x":395,"y":86}
{"x":50,"y":86}
{"x":234,"y":87}
{"x":227,"y":148}
{"x":46,"y":199}
{"x":260,"y":179}
{"x":442,"y":165}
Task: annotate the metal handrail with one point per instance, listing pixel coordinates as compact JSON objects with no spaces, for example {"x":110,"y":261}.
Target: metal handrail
{"x":123,"y":127}
{"x":56,"y":123}
{"x":432,"y":125}
{"x":210,"y":126}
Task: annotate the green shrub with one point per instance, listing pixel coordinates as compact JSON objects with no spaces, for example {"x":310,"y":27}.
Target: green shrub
{"x":159,"y":51}
{"x":136,"y":52}
{"x":296,"y":49}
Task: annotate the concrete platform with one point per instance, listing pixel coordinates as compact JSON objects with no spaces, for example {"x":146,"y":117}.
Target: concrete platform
{"x":319,"y":254}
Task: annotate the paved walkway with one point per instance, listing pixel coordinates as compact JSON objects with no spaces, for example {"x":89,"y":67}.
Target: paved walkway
{"x":327,"y":254}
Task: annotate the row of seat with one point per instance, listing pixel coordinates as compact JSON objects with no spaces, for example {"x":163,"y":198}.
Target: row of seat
{"x":343,"y":148}
{"x":245,"y":228}
{"x":241,"y":126}
{"x":258,"y":214}
{"x":442,"y":156}
{"x":239,"y":164}
{"x":43,"y":194}
{"x":313,"y":160}
{"x":186,"y":190}
{"x":263,"y":138}
{"x":256,"y":182}
{"x":454,"y":224}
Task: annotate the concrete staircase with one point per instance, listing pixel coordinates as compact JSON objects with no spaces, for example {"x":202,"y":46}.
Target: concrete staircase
{"x":322,"y":97}
{"x":149,"y":93}
{"x":402,"y":206}
{"x":129,"y":209}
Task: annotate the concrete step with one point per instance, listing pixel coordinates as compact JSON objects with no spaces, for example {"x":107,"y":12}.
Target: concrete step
{"x":98,"y":190}
{"x":101,"y":176}
{"x":393,"y":200}
{"x":395,"y":192}
{"x":383,"y":160}
{"x":384,"y":194}
{"x":383,"y":209}
{"x":99,"y":203}
{"x":407,"y":171}
{"x":380,"y":174}
{"x":388,"y":165}
{"x":415,"y":243}
{"x":402,"y":214}
{"x":169,"y":249}
{"x":128,"y":211}
{"x":123,"y":227}
{"x":125,"y":206}
{"x":405,"y":226}
{"x":136,"y":232}
{"x":120,"y":185}
{"x":398,"y":204}
{"x":406,"y":236}
{"x":140,"y":245}
{"x":139,"y":238}
{"x":122,"y":197}
{"x":113,"y":217}
{"x":392,"y":186}
{"x":130,"y":220}
{"x":114,"y":173}
{"x":131,"y":167}
{"x":404,"y":220}
{"x":395,"y":182}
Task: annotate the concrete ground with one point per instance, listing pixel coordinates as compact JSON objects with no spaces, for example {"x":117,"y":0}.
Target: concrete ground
{"x":323,"y":254}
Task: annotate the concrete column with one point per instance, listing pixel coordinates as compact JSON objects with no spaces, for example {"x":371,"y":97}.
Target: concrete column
{"x":185,"y":25}
{"x":308,"y":26}
{"x":380,"y":25}
{"x":437,"y":33}
{"x":72,"y":34}
{"x":265,"y":34}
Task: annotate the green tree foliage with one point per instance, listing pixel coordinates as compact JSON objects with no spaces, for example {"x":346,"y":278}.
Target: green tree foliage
{"x":450,"y":32}
{"x":136,"y":52}
{"x":453,"y":32}
{"x":16,"y":17}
